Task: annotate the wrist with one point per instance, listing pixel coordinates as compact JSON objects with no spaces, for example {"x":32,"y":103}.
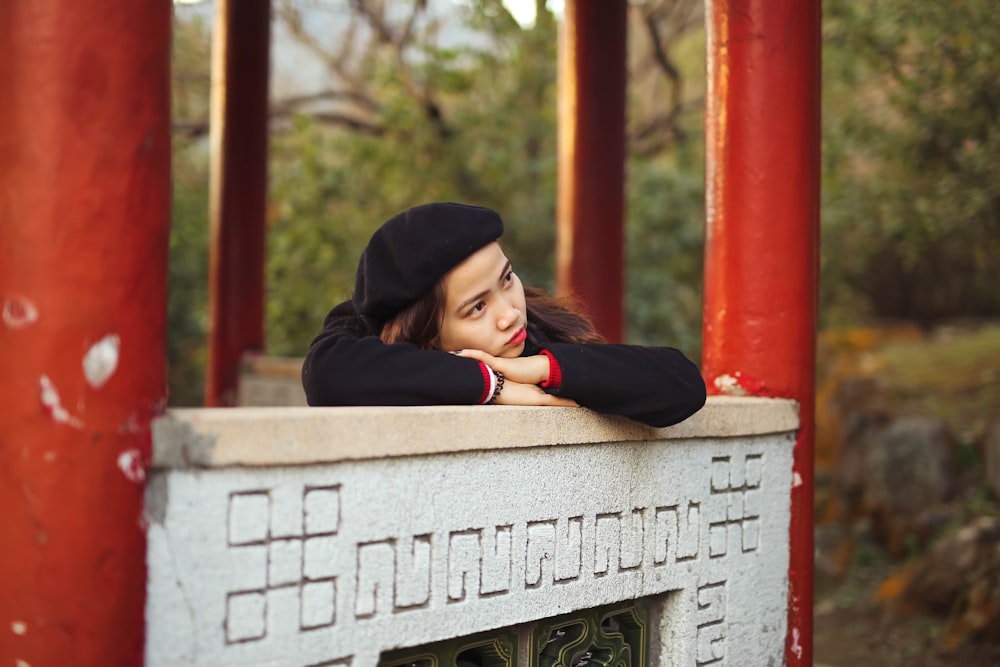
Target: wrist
{"x":497,"y":386}
{"x":553,"y":372}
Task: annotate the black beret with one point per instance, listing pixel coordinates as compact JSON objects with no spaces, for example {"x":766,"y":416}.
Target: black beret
{"x":414,"y":249}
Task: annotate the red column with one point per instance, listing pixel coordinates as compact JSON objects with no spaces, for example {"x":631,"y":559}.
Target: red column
{"x":762,"y":179}
{"x":591,"y":195}
{"x":84,"y":224}
{"x":240,"y":70}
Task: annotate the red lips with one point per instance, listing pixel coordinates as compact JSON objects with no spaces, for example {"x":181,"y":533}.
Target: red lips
{"x":519,"y":337}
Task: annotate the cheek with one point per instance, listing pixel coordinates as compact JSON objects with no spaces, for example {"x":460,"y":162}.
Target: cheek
{"x":520,"y":299}
{"x":468,"y":334}
{"x":457,"y":334}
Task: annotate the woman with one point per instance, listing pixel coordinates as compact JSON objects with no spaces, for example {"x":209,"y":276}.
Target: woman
{"x":438,"y":316}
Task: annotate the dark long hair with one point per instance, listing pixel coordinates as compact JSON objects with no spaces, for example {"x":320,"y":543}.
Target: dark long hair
{"x":561,"y":319}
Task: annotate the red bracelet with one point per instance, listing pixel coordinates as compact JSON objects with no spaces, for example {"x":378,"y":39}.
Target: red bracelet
{"x":554,"y":380}
{"x":486,"y":396}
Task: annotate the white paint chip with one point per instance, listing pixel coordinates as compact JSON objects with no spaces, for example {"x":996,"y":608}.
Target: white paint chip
{"x":18,"y":628}
{"x":52,"y":402}
{"x":796,"y":480}
{"x":796,"y":647}
{"x":21,"y":663}
{"x":729,"y":385}
{"x":130,"y":462}
{"x":19,"y":312}
{"x":101,"y":360}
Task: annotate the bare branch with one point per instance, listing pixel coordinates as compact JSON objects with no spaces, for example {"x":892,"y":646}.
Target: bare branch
{"x":374,"y":13}
{"x":193,"y":130}
{"x":294,"y":102}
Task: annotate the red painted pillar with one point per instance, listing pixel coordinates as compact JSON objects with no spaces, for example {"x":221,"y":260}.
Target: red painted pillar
{"x":591,"y":190}
{"x":240,"y":71}
{"x":761,"y":275}
{"x":84,"y":224}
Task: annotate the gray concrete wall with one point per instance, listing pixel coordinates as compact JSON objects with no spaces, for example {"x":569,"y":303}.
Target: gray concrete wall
{"x":327,"y":536}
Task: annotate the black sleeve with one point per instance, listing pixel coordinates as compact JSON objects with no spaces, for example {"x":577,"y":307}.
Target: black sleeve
{"x":658,"y":386}
{"x":349,"y":365}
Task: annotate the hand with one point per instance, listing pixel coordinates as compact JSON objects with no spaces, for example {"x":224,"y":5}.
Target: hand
{"x":526,"y":370}
{"x":519,"y":393}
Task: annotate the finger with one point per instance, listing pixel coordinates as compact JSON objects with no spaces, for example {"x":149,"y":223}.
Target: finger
{"x":478,"y":355}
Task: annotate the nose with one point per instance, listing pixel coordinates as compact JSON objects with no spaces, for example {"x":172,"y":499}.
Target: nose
{"x":509,"y":316}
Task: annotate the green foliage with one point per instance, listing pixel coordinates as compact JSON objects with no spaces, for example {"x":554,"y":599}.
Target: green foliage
{"x":187,"y":303}
{"x":911,"y":202}
{"x":954,"y":376}
{"x":665,"y":256}
{"x":188,"y":274}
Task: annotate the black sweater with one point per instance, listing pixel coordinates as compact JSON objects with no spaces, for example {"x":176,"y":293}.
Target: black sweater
{"x":348,"y":364}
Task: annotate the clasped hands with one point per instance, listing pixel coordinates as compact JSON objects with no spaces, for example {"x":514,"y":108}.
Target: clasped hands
{"x":522,"y":375}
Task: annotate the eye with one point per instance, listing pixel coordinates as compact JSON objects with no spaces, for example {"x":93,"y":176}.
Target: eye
{"x":478,"y":308}
{"x":509,"y":278}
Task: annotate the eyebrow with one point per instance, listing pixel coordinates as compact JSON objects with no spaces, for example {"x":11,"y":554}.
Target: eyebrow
{"x":471,"y":300}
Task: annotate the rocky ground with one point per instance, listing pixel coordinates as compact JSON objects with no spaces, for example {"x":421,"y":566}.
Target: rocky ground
{"x":908,"y":483}
{"x":853,"y":629}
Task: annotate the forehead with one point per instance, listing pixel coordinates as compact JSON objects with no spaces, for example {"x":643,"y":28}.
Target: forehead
{"x":478,"y":272}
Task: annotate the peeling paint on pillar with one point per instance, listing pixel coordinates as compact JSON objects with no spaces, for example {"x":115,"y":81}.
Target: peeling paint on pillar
{"x":18,"y":312}
{"x":101,"y":360}
{"x":52,"y":403}
{"x":84,"y":228}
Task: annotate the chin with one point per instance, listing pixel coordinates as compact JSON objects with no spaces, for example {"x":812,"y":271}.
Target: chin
{"x":511,"y":352}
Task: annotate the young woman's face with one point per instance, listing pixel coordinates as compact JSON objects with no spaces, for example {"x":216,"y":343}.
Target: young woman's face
{"x":484,"y":305}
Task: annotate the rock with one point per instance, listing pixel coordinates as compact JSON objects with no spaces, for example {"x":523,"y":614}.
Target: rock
{"x":960,"y":576}
{"x":860,"y":421}
{"x":834,"y":546}
{"x":909,"y":473}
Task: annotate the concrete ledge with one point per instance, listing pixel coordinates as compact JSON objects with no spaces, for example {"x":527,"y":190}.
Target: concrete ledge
{"x":225,"y":437}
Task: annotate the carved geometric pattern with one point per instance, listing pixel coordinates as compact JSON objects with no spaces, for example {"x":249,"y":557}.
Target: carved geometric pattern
{"x":615,"y":636}
{"x":711,"y":620}
{"x":290,"y":531}
{"x":736,"y":486}
{"x":489,"y":649}
{"x":677,"y":531}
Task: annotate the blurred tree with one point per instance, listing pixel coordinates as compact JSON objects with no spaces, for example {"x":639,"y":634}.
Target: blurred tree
{"x":187,"y":303}
{"x":666,"y":193}
{"x":911,"y":143}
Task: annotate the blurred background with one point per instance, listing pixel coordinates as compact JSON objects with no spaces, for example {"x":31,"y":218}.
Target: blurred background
{"x":377,"y":105}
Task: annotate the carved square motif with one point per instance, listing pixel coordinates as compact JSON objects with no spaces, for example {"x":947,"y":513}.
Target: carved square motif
{"x":754,"y":470}
{"x":751,"y":504}
{"x":751,"y":534}
{"x":718,"y":534}
{"x":319,"y":604}
{"x":246,"y":615}
{"x":249,"y":516}
{"x":734,"y":509}
{"x":322,"y":509}
{"x":319,"y":557}
{"x":711,"y":603}
{"x":711,"y":644}
{"x":720,"y":473}
{"x":284,"y":562}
